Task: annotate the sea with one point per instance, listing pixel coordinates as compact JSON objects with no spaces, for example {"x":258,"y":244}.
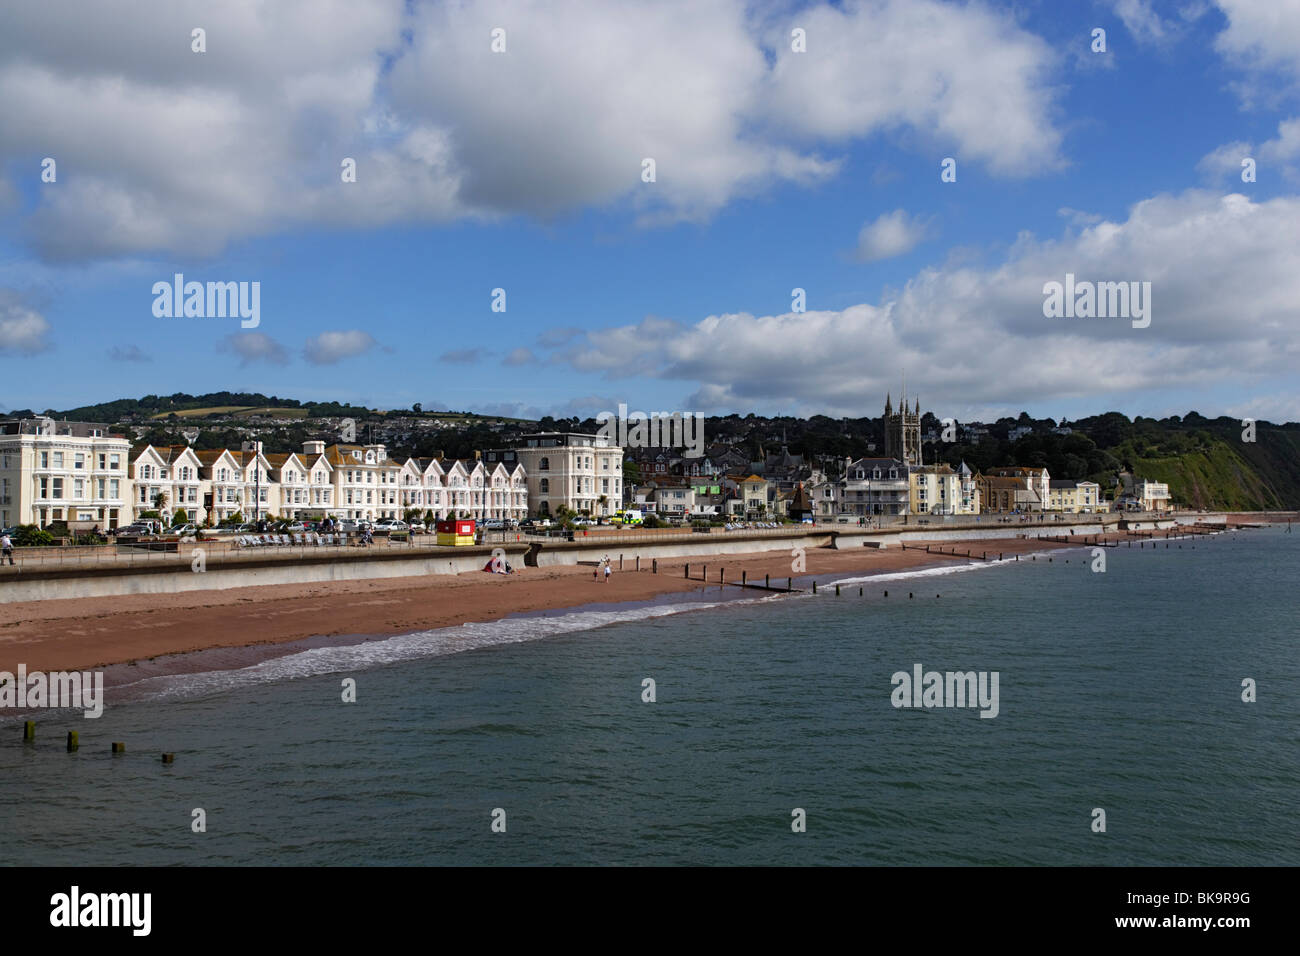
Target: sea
{"x":1147,"y":715}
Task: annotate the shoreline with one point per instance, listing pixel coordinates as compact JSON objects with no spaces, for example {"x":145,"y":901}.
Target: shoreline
{"x":154,"y":634}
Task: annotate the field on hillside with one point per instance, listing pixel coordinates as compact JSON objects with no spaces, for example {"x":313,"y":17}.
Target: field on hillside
{"x":239,"y":411}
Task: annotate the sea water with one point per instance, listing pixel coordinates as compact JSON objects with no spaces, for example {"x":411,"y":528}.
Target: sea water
{"x":771,"y":737}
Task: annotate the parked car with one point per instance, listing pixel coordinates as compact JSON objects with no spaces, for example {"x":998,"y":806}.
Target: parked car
{"x":389,"y":525}
{"x":184,"y":530}
{"x":135,"y":530}
{"x":417,"y":526}
{"x":292,"y":527}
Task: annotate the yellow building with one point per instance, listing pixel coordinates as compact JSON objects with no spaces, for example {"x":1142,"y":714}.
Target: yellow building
{"x":937,"y":489}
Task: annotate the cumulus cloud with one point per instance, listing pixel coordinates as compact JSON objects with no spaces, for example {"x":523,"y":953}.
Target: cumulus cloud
{"x":254,"y":347}
{"x":1142,"y":21}
{"x":1225,"y":274}
{"x":1280,"y":154}
{"x":128,"y":353}
{"x":892,"y":234}
{"x":23,"y":330}
{"x":331,"y":347}
{"x":554,"y":338}
{"x":1261,"y":39}
{"x":519,"y":356}
{"x":443,"y":129}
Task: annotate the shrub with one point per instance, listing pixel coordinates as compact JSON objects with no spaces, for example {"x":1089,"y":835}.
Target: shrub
{"x":31,"y":536}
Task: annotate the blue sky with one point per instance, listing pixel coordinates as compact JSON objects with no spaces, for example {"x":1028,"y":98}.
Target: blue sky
{"x":775,"y":169}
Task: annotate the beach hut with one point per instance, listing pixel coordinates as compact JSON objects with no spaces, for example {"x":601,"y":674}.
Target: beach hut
{"x":456,"y":531}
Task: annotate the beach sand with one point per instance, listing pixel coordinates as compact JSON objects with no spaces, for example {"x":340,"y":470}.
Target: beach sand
{"x":88,"y":633}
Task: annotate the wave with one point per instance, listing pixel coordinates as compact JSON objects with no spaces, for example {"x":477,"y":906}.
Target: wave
{"x":402,"y":647}
{"x":919,"y":573}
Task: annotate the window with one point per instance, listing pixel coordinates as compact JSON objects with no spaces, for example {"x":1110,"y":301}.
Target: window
{"x":45,"y":488}
{"x":113,"y":488}
{"x":80,"y":461}
{"x":45,"y":459}
{"x":78,"y":490}
{"x":544,"y":465}
{"x":103,"y":461}
{"x":114,"y":461}
{"x":100,"y":487}
{"x":545,"y":486}
{"x":58,"y":459}
{"x":58,"y":487}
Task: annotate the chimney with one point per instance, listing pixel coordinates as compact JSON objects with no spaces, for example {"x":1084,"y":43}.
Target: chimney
{"x":478,"y":455}
{"x":313,"y":448}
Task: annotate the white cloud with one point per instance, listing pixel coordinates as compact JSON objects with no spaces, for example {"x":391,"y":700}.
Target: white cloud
{"x":1276,"y":156}
{"x":254,"y":347}
{"x":152,"y":140}
{"x":1142,"y":21}
{"x":1261,"y":38}
{"x":1225,"y":274}
{"x":23,"y":330}
{"x":966,"y":75}
{"x":892,"y":234}
{"x":330,"y":347}
{"x":519,"y":356}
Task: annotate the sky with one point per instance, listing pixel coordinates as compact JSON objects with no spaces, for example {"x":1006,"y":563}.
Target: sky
{"x":795,"y":146}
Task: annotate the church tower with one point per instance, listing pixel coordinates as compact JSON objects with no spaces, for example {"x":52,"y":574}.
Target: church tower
{"x":903,"y":431}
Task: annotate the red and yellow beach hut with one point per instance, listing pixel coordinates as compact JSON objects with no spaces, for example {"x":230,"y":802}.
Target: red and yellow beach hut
{"x":456,"y":531}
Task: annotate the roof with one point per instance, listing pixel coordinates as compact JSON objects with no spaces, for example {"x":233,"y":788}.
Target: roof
{"x":210,"y":456}
{"x":753,"y":478}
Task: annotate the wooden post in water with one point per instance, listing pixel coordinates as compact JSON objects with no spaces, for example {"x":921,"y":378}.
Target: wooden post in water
{"x":29,"y":730}
{"x":744,"y":575}
{"x":814,"y":586}
{"x":119,"y":748}
{"x":767,"y":580}
{"x":654,"y":565}
{"x":73,"y":743}
{"x":688,"y":572}
{"x":837,"y":590}
{"x":168,"y":758}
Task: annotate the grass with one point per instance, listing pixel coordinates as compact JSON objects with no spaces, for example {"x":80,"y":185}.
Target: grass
{"x":238,"y":411}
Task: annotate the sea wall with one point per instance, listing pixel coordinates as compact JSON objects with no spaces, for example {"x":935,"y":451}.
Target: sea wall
{"x":171,"y":578}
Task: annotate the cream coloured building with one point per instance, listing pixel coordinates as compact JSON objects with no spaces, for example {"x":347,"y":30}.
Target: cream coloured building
{"x":63,"y":471}
{"x":583,"y":473}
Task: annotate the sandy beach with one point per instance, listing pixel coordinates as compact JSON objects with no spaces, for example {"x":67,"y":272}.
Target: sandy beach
{"x":95,"y":632}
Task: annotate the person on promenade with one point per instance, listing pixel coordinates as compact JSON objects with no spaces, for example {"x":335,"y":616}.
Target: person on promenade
{"x":6,"y":549}
{"x":607,"y":570}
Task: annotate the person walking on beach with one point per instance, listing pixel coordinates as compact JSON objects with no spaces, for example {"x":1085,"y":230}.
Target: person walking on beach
{"x":607,"y":570}
{"x":6,"y":549}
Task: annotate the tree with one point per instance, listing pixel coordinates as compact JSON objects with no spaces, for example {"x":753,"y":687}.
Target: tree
{"x":160,"y":501}
{"x":417,"y":408}
{"x":181,"y":517}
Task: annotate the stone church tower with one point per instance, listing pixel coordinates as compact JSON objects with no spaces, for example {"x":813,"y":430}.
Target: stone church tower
{"x":903,"y":431}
